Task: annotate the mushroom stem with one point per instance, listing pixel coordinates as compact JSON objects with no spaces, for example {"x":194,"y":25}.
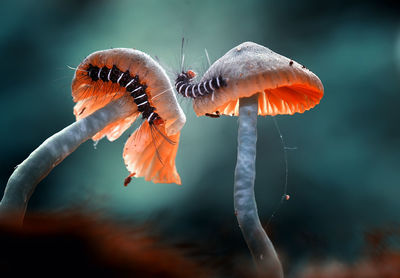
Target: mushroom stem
{"x":257,"y":240}
{"x":49,"y":154}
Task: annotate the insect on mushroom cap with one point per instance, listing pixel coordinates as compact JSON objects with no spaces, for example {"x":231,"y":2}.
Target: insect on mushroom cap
{"x":141,"y":87}
{"x":283,"y":86}
{"x":138,"y":63}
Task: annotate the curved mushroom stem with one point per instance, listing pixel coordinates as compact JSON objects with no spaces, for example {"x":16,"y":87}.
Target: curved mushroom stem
{"x":260,"y":246}
{"x":49,"y":154}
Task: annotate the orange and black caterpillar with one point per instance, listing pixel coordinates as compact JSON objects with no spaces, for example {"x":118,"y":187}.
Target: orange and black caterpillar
{"x":143,"y":89}
{"x":132,"y":85}
{"x":184,"y":86}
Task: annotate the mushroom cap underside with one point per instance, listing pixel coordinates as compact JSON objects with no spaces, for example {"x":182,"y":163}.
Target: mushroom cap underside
{"x":160,"y":90}
{"x":283,"y":85}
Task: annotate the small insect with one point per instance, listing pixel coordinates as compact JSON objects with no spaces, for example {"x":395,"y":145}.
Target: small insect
{"x":216,"y":115}
{"x":128,"y":179}
{"x":290,"y":63}
{"x":108,"y":75}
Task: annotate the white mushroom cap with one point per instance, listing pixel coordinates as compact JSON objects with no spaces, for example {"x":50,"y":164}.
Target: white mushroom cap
{"x":283,"y":86}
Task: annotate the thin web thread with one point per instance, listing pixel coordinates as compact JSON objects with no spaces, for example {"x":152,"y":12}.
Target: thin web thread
{"x":285,"y":187}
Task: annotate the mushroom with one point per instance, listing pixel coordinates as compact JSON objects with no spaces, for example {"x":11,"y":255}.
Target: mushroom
{"x":258,"y":82}
{"x":122,"y":72}
{"x":282,"y":85}
{"x":107,"y":109}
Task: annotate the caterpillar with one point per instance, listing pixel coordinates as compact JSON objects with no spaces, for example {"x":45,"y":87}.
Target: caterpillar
{"x":132,"y":86}
{"x":185,"y":87}
{"x":130,"y":74}
{"x":184,"y":81}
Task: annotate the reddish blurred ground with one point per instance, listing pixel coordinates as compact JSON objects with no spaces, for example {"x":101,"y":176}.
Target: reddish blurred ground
{"x":77,"y":245}
{"x":72,"y":244}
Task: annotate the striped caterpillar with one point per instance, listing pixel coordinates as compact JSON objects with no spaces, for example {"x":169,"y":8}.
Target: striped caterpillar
{"x":146,"y":90}
{"x":132,"y":85}
{"x":184,"y":86}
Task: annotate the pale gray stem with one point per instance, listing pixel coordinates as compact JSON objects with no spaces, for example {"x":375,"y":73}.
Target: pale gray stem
{"x":49,"y":154}
{"x":257,"y":240}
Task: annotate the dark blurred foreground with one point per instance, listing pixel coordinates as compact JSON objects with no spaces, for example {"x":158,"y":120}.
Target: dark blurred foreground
{"x":78,"y":245}
{"x":75,"y":244}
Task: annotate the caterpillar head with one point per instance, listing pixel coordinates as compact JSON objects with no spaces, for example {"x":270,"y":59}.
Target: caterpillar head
{"x":185,"y":76}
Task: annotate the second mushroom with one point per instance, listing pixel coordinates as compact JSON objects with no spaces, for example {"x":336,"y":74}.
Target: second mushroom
{"x":251,"y":80}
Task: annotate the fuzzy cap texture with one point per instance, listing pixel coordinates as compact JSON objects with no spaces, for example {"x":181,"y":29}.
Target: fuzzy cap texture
{"x":283,"y":85}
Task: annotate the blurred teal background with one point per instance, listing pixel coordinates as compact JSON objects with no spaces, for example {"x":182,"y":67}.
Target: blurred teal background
{"x":344,"y":176}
